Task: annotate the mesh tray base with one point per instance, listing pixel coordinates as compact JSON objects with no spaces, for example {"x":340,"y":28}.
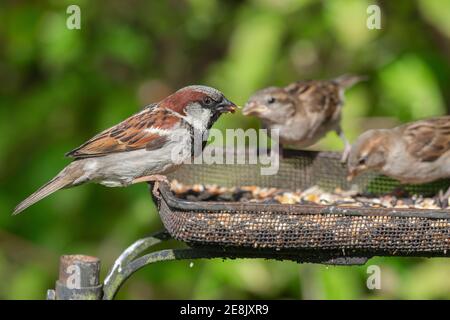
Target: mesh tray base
{"x":300,"y":228}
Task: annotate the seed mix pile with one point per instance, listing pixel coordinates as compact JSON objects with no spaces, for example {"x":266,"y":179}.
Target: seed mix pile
{"x":311,"y":196}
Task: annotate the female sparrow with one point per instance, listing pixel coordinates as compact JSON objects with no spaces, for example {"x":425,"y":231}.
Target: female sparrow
{"x":304,"y":111}
{"x":413,"y":153}
{"x":144,"y":147}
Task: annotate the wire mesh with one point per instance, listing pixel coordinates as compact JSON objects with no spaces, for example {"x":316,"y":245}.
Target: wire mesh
{"x":287,"y":228}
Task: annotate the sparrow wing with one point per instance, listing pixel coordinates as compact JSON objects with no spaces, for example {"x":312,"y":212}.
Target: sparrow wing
{"x":348,"y":80}
{"x":147,"y":129}
{"x":428,"y":139}
{"x":323,"y":96}
{"x":317,"y":97}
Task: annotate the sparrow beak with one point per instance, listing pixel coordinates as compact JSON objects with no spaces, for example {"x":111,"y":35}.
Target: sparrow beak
{"x":253,"y":108}
{"x":226,"y":106}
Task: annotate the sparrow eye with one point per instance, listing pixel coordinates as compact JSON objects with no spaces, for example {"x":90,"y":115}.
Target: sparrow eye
{"x":271,"y":100}
{"x":207,"y":101}
{"x":362,"y":161}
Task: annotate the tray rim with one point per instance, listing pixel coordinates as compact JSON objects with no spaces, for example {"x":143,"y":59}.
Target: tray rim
{"x":218,"y":207}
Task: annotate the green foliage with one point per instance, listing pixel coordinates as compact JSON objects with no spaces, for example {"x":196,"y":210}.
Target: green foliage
{"x":58,"y":87}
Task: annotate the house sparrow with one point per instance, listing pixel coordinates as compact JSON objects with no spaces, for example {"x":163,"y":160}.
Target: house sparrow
{"x":413,"y":153}
{"x":303,"y":111}
{"x":144,"y":147}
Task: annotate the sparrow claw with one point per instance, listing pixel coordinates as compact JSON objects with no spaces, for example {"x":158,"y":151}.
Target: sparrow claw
{"x":443,"y":199}
{"x":155,"y":189}
{"x":347,"y":145}
{"x":152,"y":178}
{"x":156,"y":179}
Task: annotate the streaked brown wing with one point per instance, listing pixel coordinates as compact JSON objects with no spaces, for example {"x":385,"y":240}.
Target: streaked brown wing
{"x":133,"y":133}
{"x":317,"y":96}
{"x":429,"y":139}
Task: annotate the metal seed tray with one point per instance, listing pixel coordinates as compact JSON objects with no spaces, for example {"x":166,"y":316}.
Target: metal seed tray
{"x":303,"y":230}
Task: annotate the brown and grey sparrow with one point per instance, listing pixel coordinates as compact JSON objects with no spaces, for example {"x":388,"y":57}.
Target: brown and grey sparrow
{"x":304,"y":111}
{"x":144,"y":147}
{"x":414,"y":153}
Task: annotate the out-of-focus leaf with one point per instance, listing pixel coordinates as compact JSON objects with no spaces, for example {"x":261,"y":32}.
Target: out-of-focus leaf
{"x":409,"y":90}
{"x":428,"y":280}
{"x":348,"y":21}
{"x":121,"y":43}
{"x":204,"y":13}
{"x":436,"y":12}
{"x":27,"y":284}
{"x":284,"y":6}
{"x":58,"y":44}
{"x":253,"y":49}
{"x":340,"y":283}
{"x":19,"y":27}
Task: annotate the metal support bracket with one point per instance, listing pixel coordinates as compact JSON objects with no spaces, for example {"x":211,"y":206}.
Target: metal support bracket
{"x":128,"y":263}
{"x":132,"y":259}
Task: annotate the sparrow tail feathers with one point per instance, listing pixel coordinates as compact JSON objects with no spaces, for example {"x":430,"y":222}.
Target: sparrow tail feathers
{"x":64,"y":179}
{"x":347,"y":80}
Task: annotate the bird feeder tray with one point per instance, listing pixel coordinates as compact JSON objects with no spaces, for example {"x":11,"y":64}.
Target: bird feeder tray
{"x":303,"y":230}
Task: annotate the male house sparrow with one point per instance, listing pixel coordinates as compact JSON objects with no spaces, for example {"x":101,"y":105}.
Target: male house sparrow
{"x":303,"y":111}
{"x":417,"y":152}
{"x":144,"y":147}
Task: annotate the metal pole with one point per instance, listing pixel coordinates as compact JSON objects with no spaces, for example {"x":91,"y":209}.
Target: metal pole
{"x":79,"y":279}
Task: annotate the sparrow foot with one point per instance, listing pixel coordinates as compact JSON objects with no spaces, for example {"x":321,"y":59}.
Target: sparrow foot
{"x":156,"y":178}
{"x":347,"y":145}
{"x":443,"y":199}
{"x":346,"y":152}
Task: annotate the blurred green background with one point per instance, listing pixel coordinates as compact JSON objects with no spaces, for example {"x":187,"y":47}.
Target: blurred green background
{"x":58,"y":87}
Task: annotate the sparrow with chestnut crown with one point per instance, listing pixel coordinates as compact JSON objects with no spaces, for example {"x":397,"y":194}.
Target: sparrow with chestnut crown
{"x":144,"y":147}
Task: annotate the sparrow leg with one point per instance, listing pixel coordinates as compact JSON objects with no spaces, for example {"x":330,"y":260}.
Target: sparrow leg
{"x":157,"y":178}
{"x":443,"y":198}
{"x":347,"y":145}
